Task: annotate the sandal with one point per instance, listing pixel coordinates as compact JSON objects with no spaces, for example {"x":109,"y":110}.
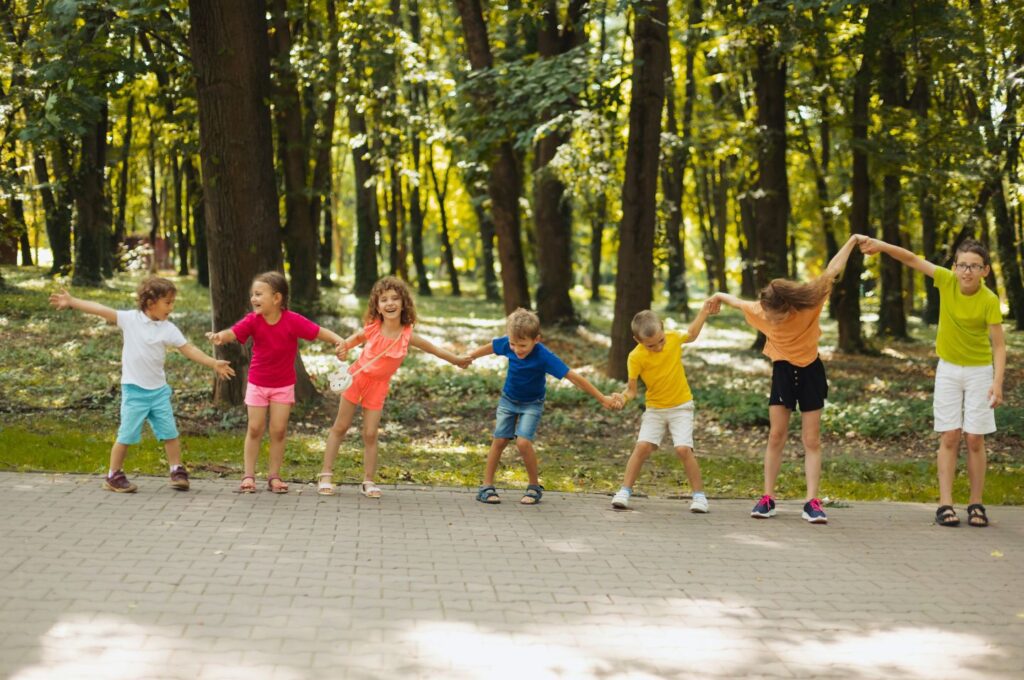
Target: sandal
{"x":324,"y":487}
{"x":369,"y":489}
{"x":281,"y":487}
{"x":532,"y":495}
{"x":945,"y":516}
{"x":247,"y":487}
{"x":976,"y":516}
{"x":488,"y":495}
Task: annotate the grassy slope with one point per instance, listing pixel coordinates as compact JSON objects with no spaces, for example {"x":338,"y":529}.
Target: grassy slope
{"x":60,"y":373}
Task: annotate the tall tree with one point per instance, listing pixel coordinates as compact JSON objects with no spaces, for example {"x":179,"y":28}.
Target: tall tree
{"x":634,"y":278}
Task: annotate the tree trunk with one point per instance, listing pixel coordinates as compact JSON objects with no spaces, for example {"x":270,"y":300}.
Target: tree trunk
{"x":367,"y":217}
{"x":180,"y":223}
{"x":196,"y":206}
{"x":634,"y":277}
{"x":505,"y":182}
{"x":154,"y":197}
{"x":231,"y":63}
{"x":892,"y":321}
{"x":597,"y":244}
{"x":416,"y":222}
{"x":120,"y":223}
{"x":440,"y":192}
{"x":58,"y":215}
{"x":772,"y":205}
{"x":91,"y":229}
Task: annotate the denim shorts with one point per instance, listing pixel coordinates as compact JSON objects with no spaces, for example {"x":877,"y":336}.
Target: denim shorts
{"x":517,"y":418}
{"x":139,"y":405}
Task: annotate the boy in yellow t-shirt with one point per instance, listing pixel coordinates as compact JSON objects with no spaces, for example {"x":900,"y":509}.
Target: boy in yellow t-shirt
{"x":658,"y":361}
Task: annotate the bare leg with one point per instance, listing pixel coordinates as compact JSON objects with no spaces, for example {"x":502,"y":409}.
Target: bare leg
{"x":949,"y":449}
{"x":778,"y":416}
{"x":691,"y":466}
{"x":641,"y":452}
{"x":493,"y":458}
{"x":371,"y":426}
{"x":976,"y":461}
{"x":529,"y":455}
{"x":278,"y":432}
{"x":117,"y":454}
{"x":810,"y":425}
{"x":346,"y":413}
{"x":172,"y":447}
{"x":253,"y":437}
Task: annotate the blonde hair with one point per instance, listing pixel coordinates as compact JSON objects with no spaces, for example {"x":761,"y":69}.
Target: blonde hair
{"x":383,"y":285}
{"x":782,"y":296}
{"x":153,"y":288}
{"x":645,"y":324}
{"x":523,"y":324}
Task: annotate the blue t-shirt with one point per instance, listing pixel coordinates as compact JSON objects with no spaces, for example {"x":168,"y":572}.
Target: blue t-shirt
{"x":525,"y":380}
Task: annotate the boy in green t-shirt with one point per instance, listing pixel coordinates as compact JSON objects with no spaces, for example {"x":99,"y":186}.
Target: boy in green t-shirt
{"x":658,"y":361}
{"x":969,"y":375}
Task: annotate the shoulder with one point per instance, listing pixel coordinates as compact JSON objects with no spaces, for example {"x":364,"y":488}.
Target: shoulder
{"x":500,"y":345}
{"x":372,"y":329}
{"x":547,"y":354}
{"x":943,"y":274}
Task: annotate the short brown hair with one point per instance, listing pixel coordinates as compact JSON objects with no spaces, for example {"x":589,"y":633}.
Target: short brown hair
{"x":972,"y":246}
{"x":153,"y":288}
{"x":278,"y":284}
{"x":387,"y":283}
{"x":523,"y":324}
{"x":645,"y":324}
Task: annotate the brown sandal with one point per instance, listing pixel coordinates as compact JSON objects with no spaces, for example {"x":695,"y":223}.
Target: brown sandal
{"x":282,"y":487}
{"x":247,"y":488}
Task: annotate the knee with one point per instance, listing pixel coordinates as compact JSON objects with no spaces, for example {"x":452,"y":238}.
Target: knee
{"x":951,"y":439}
{"x":975,"y":443}
{"x":277,"y":434}
{"x":812,"y":442}
{"x":254,"y":431}
{"x":369,"y":438}
{"x":524,"y":445}
{"x":776,"y":437}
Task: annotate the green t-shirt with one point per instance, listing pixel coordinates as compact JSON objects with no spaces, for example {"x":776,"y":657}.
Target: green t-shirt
{"x":962,"y":338}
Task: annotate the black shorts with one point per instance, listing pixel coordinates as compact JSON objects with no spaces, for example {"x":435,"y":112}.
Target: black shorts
{"x":806,"y":385}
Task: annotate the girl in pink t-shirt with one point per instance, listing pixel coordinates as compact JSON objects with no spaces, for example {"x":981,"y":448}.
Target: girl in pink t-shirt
{"x":275,"y":331}
{"x":387,"y":335}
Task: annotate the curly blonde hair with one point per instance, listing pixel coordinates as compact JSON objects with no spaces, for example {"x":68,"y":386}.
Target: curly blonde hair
{"x":385,"y":284}
{"x":523,"y":324}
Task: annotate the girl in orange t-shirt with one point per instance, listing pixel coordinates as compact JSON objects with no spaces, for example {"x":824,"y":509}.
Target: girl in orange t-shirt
{"x":387,"y":334}
{"x":787,"y":313}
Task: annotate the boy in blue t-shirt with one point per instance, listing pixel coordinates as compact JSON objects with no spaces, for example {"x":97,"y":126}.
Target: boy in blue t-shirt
{"x":522,"y":398}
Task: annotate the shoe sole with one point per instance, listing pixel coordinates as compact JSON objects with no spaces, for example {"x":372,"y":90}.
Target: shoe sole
{"x":762,"y":515}
{"x":180,"y":486}
{"x":130,"y":489}
{"x":619,"y":505}
{"x":699,"y":511}
{"x":814,"y":520}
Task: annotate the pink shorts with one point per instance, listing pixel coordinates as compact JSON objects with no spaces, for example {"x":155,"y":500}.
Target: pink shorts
{"x":264,"y":396}
{"x":369,"y":392}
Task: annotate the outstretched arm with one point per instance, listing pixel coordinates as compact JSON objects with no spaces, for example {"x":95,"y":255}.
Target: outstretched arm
{"x":728,"y":299}
{"x":64,"y":300}
{"x":871,"y":246}
{"x":481,"y":351}
{"x":349,"y":343}
{"x":614,"y":401}
{"x":838,"y":262}
{"x":327,"y":335}
{"x":429,"y":347}
{"x":629,"y":394}
{"x":220,"y":366}
{"x":222,"y":337}
{"x":710,"y":306}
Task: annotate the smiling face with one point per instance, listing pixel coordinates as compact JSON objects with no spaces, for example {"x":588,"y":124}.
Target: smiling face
{"x":653,"y":343}
{"x":522,"y":346}
{"x":389,"y":305}
{"x":970,"y":270}
{"x":161,"y":308}
{"x":264,"y":300}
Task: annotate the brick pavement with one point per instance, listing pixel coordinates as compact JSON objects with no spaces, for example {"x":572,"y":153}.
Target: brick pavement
{"x":429,"y":583}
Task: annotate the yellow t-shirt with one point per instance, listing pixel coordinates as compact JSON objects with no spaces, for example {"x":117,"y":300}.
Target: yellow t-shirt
{"x":662,"y":372}
{"x":794,"y":339}
{"x":962,"y":338}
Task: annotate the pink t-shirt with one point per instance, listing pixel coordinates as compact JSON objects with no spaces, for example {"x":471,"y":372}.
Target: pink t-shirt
{"x":274,"y":347}
{"x":377,"y":342}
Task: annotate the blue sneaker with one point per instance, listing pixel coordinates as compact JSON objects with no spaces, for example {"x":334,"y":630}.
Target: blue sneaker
{"x":813,"y":512}
{"x":765,"y":508}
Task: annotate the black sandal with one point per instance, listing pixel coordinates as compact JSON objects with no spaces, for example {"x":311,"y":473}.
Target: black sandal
{"x":945,"y":516}
{"x":976,"y":516}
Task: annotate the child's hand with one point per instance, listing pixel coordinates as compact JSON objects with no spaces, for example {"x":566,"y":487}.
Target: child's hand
{"x":995,"y":396}
{"x":340,"y":350}
{"x":608,"y":402}
{"x":463,"y":361}
{"x":223,"y":369}
{"x":618,"y":401}
{"x":869,"y":246}
{"x":712,"y":305}
{"x":215,"y":338}
{"x":61,"y":300}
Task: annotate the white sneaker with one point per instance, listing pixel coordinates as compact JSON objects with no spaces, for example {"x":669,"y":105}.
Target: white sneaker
{"x":621,"y":499}
{"x":699,"y":504}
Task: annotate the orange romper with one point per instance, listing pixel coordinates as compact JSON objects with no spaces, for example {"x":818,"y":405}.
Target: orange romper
{"x":370,"y":386}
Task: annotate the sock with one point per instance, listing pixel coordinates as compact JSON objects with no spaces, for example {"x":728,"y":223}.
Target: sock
{"x":175,"y":467}
{"x":698,"y":494}
{"x":627,"y":489}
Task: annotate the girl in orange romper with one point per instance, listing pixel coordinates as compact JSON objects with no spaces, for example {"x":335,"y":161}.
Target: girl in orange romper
{"x":387,"y":335}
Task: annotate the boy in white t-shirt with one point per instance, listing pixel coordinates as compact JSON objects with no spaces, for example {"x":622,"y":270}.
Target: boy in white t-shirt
{"x":145,"y":394}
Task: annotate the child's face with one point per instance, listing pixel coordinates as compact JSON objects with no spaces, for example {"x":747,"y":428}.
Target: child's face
{"x":389,"y":305}
{"x":263,"y":299}
{"x":971,"y":270}
{"x":654,"y":343}
{"x":161,"y":308}
{"x":522,"y":346}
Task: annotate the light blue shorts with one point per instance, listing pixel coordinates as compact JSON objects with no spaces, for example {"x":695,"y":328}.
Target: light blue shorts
{"x":517,"y":418}
{"x":139,"y":405}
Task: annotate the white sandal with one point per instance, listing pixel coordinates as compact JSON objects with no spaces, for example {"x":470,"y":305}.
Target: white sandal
{"x":325,"y":487}
{"x":369,"y":489}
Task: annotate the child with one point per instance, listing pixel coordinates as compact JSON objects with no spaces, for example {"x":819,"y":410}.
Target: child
{"x":145,"y":394}
{"x":275,"y":331}
{"x":969,"y":375}
{"x":658,"y":361}
{"x":788,"y":313}
{"x":522,"y":398}
{"x":390,"y":315}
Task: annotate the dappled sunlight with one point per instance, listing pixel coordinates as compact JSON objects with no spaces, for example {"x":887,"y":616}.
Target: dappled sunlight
{"x":755,"y":540}
{"x":111,"y":647}
{"x":575,"y":546}
{"x":743,"y":364}
{"x":593,"y":337}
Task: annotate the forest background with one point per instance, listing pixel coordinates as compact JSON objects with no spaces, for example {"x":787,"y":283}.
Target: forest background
{"x":586,"y":159}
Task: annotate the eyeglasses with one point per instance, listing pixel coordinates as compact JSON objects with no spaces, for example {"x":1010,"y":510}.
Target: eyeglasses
{"x":964,"y":267}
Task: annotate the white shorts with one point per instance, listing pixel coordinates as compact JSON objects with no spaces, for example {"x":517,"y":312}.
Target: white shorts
{"x":678,"y":420}
{"x":961,"y":399}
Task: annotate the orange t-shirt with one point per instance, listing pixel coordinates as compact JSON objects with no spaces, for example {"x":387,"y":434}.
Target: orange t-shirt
{"x":794,"y":339}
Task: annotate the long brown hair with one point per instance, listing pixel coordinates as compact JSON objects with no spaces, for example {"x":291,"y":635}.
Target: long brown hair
{"x":385,"y":284}
{"x":782,"y":296}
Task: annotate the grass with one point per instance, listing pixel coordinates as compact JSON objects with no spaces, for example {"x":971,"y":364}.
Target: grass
{"x":60,"y":409}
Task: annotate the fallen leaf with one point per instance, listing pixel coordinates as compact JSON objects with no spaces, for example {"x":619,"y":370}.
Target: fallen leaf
{"x":996,"y":553}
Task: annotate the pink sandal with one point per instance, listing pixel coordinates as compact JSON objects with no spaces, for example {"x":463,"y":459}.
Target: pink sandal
{"x":282,"y":487}
{"x":247,"y":488}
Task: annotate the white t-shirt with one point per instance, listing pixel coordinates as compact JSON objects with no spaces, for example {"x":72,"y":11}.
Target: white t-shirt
{"x":145,"y":346}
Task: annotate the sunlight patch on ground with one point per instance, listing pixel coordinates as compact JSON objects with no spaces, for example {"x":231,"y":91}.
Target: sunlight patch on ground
{"x":592,"y":337}
{"x":745,"y":364}
{"x":574,"y":546}
{"x":754,"y":540}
